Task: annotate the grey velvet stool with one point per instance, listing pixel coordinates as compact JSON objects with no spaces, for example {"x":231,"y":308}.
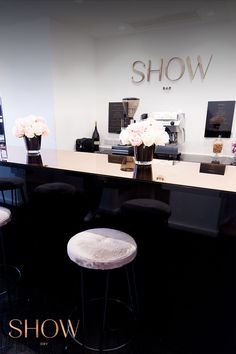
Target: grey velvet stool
{"x":9,"y":275}
{"x":12,"y":184}
{"x":104,"y":249}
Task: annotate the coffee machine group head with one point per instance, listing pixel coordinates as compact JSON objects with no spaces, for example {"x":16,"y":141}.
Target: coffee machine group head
{"x":130,"y":106}
{"x":173,"y":130}
{"x":174,"y":126}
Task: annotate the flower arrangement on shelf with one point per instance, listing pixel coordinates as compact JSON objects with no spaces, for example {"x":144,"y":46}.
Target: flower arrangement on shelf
{"x":147,"y":132}
{"x":30,"y":126}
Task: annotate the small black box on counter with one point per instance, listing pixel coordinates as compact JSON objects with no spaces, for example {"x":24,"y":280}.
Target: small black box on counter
{"x":123,"y":150}
{"x":167,"y":152}
{"x":84,"y":145}
{"x":212,"y":168}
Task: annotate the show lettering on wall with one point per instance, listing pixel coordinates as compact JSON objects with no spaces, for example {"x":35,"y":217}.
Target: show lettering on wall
{"x":172,"y":69}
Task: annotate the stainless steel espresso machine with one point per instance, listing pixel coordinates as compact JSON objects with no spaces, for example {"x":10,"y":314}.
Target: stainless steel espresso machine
{"x":174,"y":124}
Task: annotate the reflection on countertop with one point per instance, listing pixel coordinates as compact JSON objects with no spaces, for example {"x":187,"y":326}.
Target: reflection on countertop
{"x":227,"y":160}
{"x":34,"y":159}
{"x":180,"y":173}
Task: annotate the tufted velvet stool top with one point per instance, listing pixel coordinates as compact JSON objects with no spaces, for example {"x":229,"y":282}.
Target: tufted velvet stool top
{"x":5,"y":216}
{"x":7,"y":279}
{"x":102,"y":248}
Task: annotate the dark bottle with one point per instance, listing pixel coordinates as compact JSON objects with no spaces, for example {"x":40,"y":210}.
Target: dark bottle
{"x":96,"y":138}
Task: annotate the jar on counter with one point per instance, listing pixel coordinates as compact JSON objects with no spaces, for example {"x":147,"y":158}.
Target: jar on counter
{"x":217,"y":146}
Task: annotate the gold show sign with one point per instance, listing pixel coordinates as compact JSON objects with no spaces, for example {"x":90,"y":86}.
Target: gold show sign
{"x":177,"y":65}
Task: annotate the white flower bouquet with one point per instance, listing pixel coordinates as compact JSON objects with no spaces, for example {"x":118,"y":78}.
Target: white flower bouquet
{"x":147,"y":132}
{"x":234,"y":147}
{"x":30,"y":127}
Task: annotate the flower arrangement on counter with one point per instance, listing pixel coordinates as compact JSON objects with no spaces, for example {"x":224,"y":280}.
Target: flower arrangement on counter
{"x":30,"y":127}
{"x":234,"y":147}
{"x":147,"y":132}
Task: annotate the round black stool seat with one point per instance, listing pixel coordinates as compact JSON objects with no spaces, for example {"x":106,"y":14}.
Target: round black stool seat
{"x":12,"y":184}
{"x":52,"y":196}
{"x":55,"y":187}
{"x":140,"y":215}
{"x":146,"y":207}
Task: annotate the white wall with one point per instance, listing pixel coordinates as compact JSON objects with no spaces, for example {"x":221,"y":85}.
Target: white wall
{"x":113,"y":68}
{"x":59,"y":72}
{"x":73,"y":84}
{"x":26,"y":76}
{"x":47,"y":69}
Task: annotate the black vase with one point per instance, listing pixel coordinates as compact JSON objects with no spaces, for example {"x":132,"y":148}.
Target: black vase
{"x":33,"y":145}
{"x":143,"y":155}
{"x":34,"y":159}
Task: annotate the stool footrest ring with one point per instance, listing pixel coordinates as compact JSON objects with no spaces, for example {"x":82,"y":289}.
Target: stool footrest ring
{"x":118,"y":335}
{"x":9,"y":280}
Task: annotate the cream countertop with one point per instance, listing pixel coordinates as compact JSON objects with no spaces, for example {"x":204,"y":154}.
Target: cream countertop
{"x":178,"y":172}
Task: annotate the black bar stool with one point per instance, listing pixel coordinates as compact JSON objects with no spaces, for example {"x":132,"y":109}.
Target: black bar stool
{"x":144,"y":209}
{"x":106,"y":250}
{"x":57,"y":203}
{"x":12,"y":184}
{"x":139,"y":215}
{"x":147,"y":220}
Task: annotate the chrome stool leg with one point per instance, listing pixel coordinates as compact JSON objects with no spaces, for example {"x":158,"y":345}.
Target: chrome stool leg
{"x":82,"y":306}
{"x":4,"y":263}
{"x":23,"y":195}
{"x":103,"y":329}
{"x":3,"y":197}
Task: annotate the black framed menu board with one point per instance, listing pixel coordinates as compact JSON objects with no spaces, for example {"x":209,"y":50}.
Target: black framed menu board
{"x":219,"y":119}
{"x":116,"y":115}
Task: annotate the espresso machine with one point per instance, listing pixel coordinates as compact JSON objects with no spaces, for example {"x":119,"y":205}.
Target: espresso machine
{"x":174,"y":126}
